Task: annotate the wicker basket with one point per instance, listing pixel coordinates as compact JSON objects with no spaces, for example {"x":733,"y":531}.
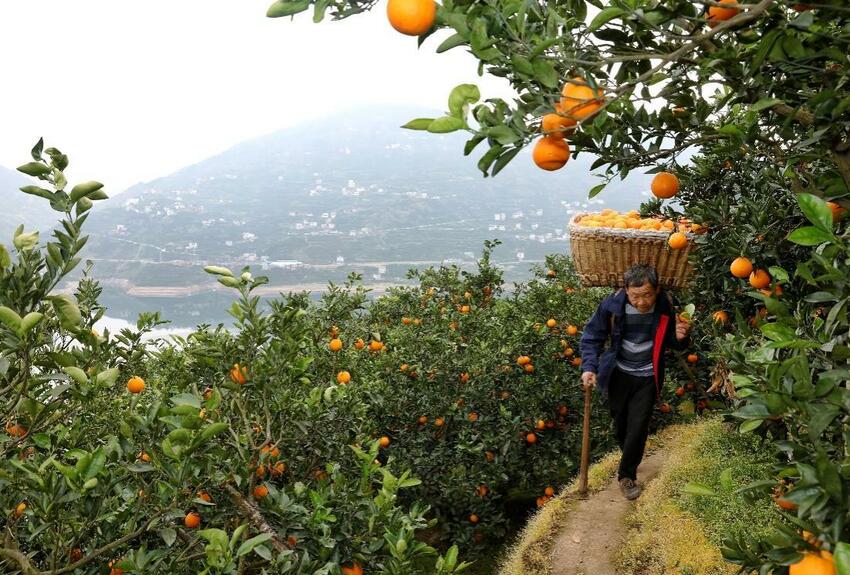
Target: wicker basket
{"x":601,"y":255}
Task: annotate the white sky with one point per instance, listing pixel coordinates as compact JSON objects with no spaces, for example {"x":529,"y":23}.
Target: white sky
{"x":133,"y":91}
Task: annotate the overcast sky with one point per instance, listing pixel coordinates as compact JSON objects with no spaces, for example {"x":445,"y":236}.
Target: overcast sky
{"x":135,"y":90}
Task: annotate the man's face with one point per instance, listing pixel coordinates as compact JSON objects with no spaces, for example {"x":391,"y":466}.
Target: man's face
{"x":643,"y":297}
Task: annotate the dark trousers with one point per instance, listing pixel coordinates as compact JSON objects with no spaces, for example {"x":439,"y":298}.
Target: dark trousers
{"x":632,"y":400}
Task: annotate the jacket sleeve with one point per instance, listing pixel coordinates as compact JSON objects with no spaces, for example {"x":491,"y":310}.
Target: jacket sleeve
{"x":593,"y":338}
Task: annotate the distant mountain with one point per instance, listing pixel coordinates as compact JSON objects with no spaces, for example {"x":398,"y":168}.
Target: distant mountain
{"x":20,"y":208}
{"x":354,"y":188}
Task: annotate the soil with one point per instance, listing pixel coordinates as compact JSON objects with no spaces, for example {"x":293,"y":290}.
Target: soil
{"x":589,"y":542}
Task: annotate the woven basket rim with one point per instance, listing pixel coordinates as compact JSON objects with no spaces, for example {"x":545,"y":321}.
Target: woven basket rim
{"x":627,"y":233}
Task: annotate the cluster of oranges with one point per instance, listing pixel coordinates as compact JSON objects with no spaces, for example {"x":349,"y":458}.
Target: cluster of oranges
{"x":759,"y":279}
{"x":632,"y":220}
{"x":548,"y":494}
{"x":578,"y":102}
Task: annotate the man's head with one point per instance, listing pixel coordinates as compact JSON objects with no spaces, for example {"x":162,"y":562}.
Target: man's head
{"x":641,"y":286}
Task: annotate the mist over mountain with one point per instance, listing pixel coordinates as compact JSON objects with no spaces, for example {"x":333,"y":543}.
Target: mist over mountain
{"x":353,"y":188}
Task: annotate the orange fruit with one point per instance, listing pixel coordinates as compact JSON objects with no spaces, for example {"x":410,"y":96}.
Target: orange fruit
{"x":529,"y":368}
{"x":376,"y":345}
{"x":837,"y":211}
{"x":405,"y":320}
{"x":569,"y":352}
{"x":819,"y":563}
{"x":759,"y":279}
{"x":439,"y":422}
{"x":135,"y":384}
{"x":664,"y":185}
{"x":238,"y":374}
{"x":665,"y":408}
{"x":279,"y":468}
{"x":549,"y":491}
{"x":192,"y":520}
{"x":359,"y":344}
{"x":576,"y":361}
{"x":717,"y":14}
{"x":144,"y":457}
{"x":474,"y":518}
{"x":464,"y":309}
{"x":680,"y":391}
{"x":785,"y":504}
{"x":551,"y":273}
{"x":204,"y":496}
{"x":335,"y":344}
{"x":523,"y":359}
{"x":260,"y":491}
{"x":481,"y":490}
{"x":557,"y":126}
{"x":15,"y":430}
{"x":563,"y":410}
{"x":423,"y":420}
{"x":551,"y":153}
{"x":489,"y":456}
{"x":20,"y":508}
{"x":693,"y":358}
{"x":551,"y":322}
{"x":541,"y":424}
{"x":464,"y":377}
{"x":352,"y":569}
{"x":412,"y":17}
{"x":531,"y":438}
{"x":292,"y":540}
{"x":720,"y":317}
{"x":343,"y":377}
{"x":741,"y":267}
{"x":473,"y":417}
{"x":677,"y":241}
{"x":384,"y":441}
{"x":572,"y":330}
{"x":578,"y":100}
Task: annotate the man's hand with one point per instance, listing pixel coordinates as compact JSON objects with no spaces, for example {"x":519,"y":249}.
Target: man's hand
{"x":682,"y":328}
{"x":588,"y":379}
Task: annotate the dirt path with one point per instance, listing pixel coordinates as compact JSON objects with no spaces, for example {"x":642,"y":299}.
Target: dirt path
{"x":595,"y":529}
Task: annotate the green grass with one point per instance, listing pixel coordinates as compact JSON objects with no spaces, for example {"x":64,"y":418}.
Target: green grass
{"x":672,"y":532}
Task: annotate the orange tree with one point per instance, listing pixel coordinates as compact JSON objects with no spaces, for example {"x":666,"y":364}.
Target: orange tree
{"x":762,"y":86}
{"x":124,"y":456}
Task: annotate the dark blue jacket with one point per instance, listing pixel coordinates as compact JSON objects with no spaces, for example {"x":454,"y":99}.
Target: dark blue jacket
{"x":607,"y":324}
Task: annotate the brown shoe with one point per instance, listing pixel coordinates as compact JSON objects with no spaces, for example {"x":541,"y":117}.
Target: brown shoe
{"x":630,"y":489}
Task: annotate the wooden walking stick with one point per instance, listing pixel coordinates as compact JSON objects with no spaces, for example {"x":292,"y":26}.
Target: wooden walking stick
{"x":585,"y":442}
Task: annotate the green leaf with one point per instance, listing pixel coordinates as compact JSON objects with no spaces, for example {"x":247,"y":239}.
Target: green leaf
{"x":694,"y":488}
{"x":77,"y":374}
{"x":107,"y":377}
{"x":213,"y":429}
{"x":841,"y":555}
{"x":596,"y":190}
{"x":830,"y":478}
{"x":37,"y":149}
{"x":169,"y":536}
{"x":503,"y":134}
{"x":230,"y":282}
{"x":765,"y":103}
{"x":218,"y":271}
{"x":545,"y":73}
{"x":778,"y":332}
{"x":810,"y":236}
{"x":40,"y":192}
{"x":67,"y":310}
{"x":445,"y":125}
{"x":604,"y":17}
{"x":187,"y":399}
{"x":816,"y":211}
{"x":9,"y":317}
{"x":726,"y":479}
{"x":418,"y":124}
{"x":283,"y":8}
{"x":505,"y":159}
{"x":249,"y":545}
{"x":460,"y":98}
{"x":452,"y":41}
{"x":750,"y":425}
{"x":34,"y":169}
{"x":522,"y":65}
{"x":83,"y":190}
{"x":29,"y":321}
{"x":98,"y":460}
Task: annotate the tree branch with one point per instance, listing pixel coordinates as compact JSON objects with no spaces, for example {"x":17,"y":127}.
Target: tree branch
{"x":250,"y":512}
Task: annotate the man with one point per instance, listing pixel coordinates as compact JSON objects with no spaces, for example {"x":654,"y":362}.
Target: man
{"x":640,"y":324}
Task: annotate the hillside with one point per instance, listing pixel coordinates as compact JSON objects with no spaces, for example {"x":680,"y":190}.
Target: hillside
{"x":352,"y":188}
